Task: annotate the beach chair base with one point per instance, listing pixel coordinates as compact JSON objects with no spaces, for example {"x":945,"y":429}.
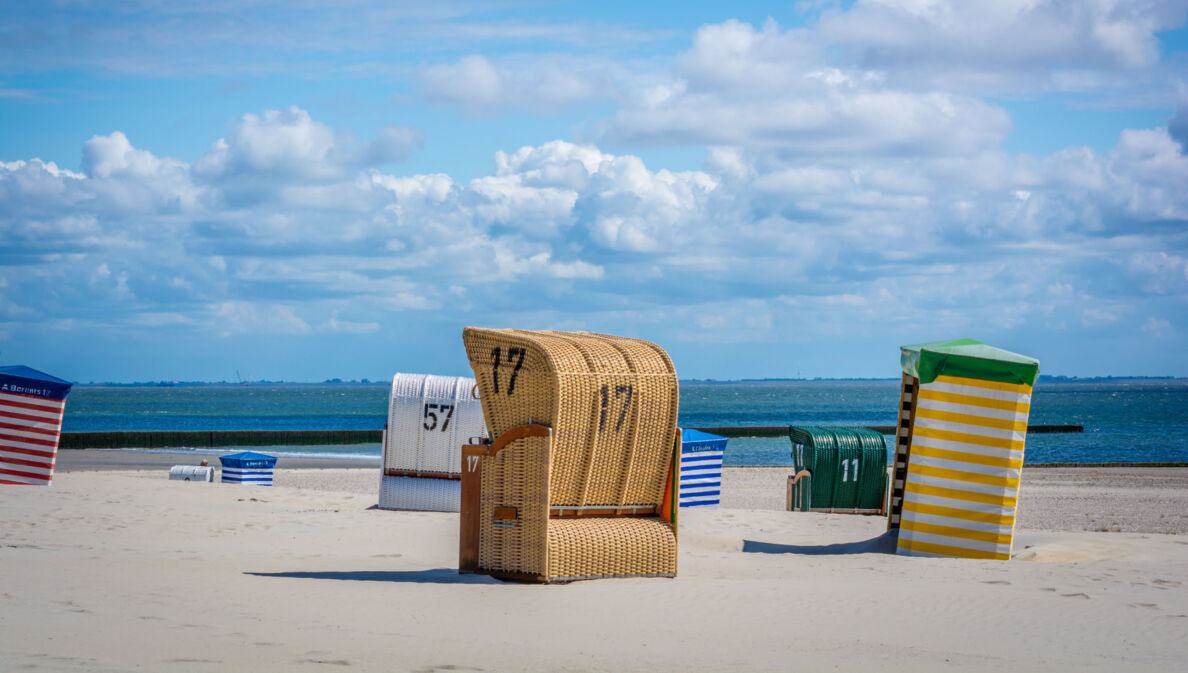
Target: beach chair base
{"x":562,"y":544}
{"x":799,"y":498}
{"x":422,"y":494}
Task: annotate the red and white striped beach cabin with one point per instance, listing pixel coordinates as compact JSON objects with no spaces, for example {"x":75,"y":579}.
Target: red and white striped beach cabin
{"x":31,"y":405}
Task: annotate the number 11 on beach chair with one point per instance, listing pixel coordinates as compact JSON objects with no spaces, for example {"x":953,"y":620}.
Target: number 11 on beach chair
{"x":580,"y":477}
{"x":959,"y":448}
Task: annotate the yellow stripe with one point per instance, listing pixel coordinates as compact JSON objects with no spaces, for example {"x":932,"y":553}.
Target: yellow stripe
{"x":954,"y":513}
{"x":974,"y":401}
{"x":955,"y":494}
{"x":969,"y":438}
{"x":964,"y":457}
{"x":970,"y":419}
{"x":961,"y":475}
{"x":950,"y":531}
{"x":946,"y":550}
{"x":1017,"y":388}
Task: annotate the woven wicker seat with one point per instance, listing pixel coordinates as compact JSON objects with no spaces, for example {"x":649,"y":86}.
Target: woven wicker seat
{"x":578,"y":481}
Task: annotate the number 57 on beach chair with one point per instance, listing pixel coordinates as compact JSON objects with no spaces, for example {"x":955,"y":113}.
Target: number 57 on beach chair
{"x":579,"y":480}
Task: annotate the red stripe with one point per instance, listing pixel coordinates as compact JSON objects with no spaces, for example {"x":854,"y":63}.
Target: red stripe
{"x":30,"y":475}
{"x":28,"y":452}
{"x":56,"y":411}
{"x":43,"y":406}
{"x":53,"y":432}
{"x":27,"y":463}
{"x":37,"y":425}
{"x":57,"y":420}
{"x":39,"y":482}
{"x":29,"y":440}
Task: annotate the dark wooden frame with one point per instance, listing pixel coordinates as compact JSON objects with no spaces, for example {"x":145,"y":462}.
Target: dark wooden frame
{"x":908,"y":392}
{"x":472,"y":481}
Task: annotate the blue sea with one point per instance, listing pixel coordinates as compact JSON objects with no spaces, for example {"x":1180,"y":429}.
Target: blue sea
{"x":1125,"y":420}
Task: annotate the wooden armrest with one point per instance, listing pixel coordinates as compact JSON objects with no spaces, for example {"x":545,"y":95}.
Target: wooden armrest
{"x":519,"y":432}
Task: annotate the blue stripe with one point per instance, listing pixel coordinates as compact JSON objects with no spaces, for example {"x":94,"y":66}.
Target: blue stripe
{"x":698,"y":503}
{"x":700,"y":493}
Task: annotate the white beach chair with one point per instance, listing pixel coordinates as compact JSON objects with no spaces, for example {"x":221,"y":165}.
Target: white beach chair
{"x":429,"y":419}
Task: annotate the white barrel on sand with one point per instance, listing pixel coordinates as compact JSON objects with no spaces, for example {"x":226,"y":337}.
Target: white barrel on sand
{"x":429,"y":419}
{"x":191,"y":473}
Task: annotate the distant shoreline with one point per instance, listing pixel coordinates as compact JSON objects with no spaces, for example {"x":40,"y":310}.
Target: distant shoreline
{"x":78,"y":460}
{"x":368,"y":383}
{"x":91,"y":460}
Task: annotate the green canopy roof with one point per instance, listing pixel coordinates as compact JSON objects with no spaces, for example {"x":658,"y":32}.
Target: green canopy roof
{"x":967,"y":358}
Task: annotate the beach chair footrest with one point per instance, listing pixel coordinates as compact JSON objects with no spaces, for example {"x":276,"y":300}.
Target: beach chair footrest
{"x":610,"y":547}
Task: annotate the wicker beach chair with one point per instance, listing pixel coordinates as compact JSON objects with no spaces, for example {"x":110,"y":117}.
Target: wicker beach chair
{"x":579,"y":479}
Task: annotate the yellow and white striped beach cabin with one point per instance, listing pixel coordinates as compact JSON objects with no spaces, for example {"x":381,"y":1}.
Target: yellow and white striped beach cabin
{"x":964,"y":419}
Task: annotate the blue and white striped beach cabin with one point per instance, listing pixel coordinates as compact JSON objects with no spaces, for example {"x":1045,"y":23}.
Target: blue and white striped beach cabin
{"x":248,"y":467}
{"x":701,"y":468}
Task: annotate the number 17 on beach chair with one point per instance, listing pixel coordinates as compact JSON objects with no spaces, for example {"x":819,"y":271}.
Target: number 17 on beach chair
{"x":580,"y":478}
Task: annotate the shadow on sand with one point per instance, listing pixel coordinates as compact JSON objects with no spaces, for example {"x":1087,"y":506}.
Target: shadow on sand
{"x":434,"y":576}
{"x":883,"y":544}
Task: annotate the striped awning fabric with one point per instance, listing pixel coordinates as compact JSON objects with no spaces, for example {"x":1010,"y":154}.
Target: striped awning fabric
{"x":701,"y":468}
{"x":966,"y":459}
{"x":247,"y":467}
{"x":701,"y":478}
{"x":257,"y":476}
{"x":29,"y":431}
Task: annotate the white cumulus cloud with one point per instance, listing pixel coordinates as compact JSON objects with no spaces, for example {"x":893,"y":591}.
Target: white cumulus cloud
{"x":480,"y":87}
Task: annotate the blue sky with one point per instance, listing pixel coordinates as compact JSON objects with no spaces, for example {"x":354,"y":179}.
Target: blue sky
{"x":310,"y":190}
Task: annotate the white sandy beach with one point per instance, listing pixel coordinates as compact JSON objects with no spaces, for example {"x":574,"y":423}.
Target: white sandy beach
{"x":125,"y":570}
